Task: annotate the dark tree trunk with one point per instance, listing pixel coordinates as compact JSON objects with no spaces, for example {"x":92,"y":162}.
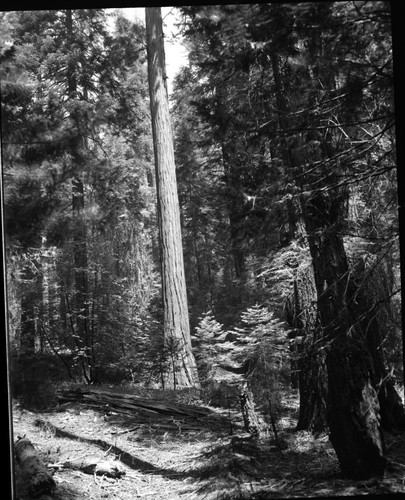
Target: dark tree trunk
{"x":237,"y":236}
{"x":232,"y":183}
{"x":234,"y":204}
{"x":352,"y":408}
{"x":313,"y":386}
{"x":294,"y":353}
{"x":180,"y":367}
{"x":309,"y":355}
{"x":294,"y":226}
{"x":81,"y":311}
{"x":391,"y":407}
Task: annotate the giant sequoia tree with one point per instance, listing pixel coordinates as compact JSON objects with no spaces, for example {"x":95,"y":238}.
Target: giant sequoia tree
{"x":180,"y":369}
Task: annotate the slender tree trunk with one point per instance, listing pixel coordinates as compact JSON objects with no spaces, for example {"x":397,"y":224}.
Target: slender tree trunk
{"x":293,"y":211}
{"x":232,"y":182}
{"x":211,"y":283}
{"x":28,"y":301}
{"x":180,"y":369}
{"x":236,"y":231}
{"x":79,"y":229}
{"x":80,"y":274}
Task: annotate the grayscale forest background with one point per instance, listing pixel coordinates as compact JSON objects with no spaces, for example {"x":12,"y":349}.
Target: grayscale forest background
{"x":283,"y":130}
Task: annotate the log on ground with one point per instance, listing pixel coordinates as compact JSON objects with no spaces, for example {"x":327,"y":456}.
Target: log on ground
{"x":37,"y":478}
{"x":93,"y":465}
{"x":119,"y":402}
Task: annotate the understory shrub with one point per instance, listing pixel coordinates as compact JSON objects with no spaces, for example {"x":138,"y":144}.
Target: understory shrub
{"x":255,"y":351}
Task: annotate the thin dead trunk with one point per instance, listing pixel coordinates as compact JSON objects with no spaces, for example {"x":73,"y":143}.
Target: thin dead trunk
{"x":180,"y":368}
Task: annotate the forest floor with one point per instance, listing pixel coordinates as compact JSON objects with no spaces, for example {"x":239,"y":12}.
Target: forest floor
{"x":202,"y":461}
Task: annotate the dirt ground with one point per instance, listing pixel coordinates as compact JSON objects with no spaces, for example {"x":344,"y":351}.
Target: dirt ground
{"x":202,"y":461}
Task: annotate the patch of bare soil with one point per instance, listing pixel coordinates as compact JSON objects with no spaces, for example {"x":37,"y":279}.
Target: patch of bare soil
{"x":199,"y":460}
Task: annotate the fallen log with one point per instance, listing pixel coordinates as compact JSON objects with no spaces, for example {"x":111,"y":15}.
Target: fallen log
{"x":154,"y":413}
{"x":92,"y":465}
{"x":130,"y":402}
{"x":36,"y":476}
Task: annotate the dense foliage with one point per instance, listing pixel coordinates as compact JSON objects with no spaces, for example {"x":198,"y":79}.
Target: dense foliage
{"x":42,"y":165}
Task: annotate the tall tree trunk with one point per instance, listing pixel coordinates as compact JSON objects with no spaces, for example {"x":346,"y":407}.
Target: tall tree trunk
{"x":180,"y":368}
{"x":29,"y":291}
{"x":236,"y":216}
{"x":293,"y":211}
{"x":79,"y":229}
{"x":232,"y":183}
{"x":309,"y":353}
{"x":352,"y":408}
{"x":80,"y":276}
{"x":310,"y":359}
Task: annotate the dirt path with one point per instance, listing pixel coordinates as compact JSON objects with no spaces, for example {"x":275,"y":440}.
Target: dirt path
{"x":176,"y":463}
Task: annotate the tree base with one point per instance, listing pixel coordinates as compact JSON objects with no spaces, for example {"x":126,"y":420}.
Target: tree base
{"x":353,"y":411}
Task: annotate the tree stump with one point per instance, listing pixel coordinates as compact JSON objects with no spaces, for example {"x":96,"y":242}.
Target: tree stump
{"x":37,"y":478}
{"x":250,"y":419}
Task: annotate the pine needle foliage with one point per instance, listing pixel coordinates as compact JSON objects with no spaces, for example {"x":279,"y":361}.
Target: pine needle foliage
{"x":205,"y":338}
{"x":255,"y":351}
{"x":267,"y":359}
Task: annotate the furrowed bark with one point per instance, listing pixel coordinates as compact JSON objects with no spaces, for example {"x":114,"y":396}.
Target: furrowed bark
{"x":178,"y":363}
{"x":353,"y":409}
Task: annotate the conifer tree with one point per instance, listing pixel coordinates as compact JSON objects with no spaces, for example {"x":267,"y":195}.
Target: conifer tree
{"x":179,"y":363}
